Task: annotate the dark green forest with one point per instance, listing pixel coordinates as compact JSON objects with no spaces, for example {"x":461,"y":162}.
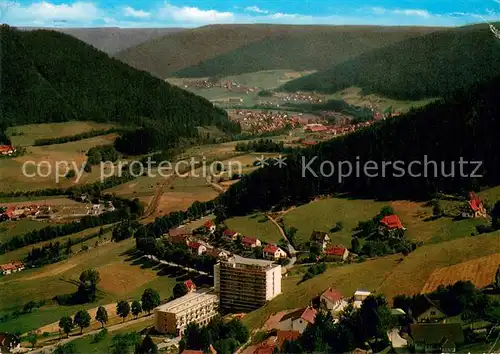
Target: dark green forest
{"x":48,"y":76}
{"x":463,"y":126}
{"x":433,"y":65}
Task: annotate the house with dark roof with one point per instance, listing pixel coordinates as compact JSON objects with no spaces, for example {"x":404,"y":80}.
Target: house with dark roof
{"x":180,"y":231}
{"x":218,"y":253}
{"x":437,"y":337}
{"x":428,"y":311}
{"x":9,"y":343}
{"x":320,"y":238}
{"x":297,"y":320}
{"x":333,"y":300}
{"x":390,"y":224}
{"x":336,"y":253}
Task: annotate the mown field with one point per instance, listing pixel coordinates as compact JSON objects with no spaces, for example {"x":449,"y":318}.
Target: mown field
{"x":390,"y":275}
{"x":9,"y":229}
{"x":25,"y":135}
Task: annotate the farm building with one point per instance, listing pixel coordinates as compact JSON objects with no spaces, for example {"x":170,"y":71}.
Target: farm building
{"x":474,"y":207}
{"x":7,"y":150}
{"x":390,"y":224}
{"x":12,"y":267}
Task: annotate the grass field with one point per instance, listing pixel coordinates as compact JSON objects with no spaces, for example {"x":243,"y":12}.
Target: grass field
{"x":122,"y":278}
{"x":386,"y":275}
{"x":321,"y":215}
{"x":255,"y":225}
{"x":480,"y":271}
{"x":9,"y":229}
{"x":25,"y":135}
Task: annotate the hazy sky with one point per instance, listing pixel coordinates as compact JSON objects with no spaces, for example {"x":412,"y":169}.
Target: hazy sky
{"x":191,"y":13}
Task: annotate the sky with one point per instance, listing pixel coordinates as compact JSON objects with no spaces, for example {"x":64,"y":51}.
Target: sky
{"x":194,"y":13}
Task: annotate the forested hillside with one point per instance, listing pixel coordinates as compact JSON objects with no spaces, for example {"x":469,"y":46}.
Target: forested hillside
{"x":235,"y":49}
{"x":422,"y":67}
{"x":463,"y":127}
{"x":302,"y":48}
{"x":111,"y":39}
{"x":48,"y":76}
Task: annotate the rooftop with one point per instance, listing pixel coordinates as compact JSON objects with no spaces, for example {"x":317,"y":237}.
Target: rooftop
{"x":251,"y":262}
{"x":185,"y":302}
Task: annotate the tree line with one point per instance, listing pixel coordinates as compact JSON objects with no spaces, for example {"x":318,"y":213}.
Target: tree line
{"x":225,"y":337}
{"x":444,"y":133}
{"x":102,"y":153}
{"x":76,"y":137}
{"x":262,"y":145}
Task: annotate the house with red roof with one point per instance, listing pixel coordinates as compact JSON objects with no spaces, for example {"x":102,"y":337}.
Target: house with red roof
{"x":189,"y":285}
{"x":273,"y":252}
{"x":7,"y":150}
{"x":336,"y":253}
{"x":251,"y":242}
{"x":283,"y":336}
{"x":474,"y":208}
{"x":197,"y":248}
{"x":230,"y":235}
{"x":334,"y":301}
{"x":12,"y":267}
{"x":390,"y":224}
{"x":297,"y":320}
{"x":209,"y":226}
{"x":8,"y":213}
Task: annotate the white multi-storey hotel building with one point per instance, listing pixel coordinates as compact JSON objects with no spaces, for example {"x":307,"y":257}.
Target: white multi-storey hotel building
{"x":244,"y":284}
{"x":198,"y":306}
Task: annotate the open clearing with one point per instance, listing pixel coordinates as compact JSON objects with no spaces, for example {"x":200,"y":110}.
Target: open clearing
{"x":255,"y":225}
{"x":9,"y":229}
{"x":480,"y":271}
{"x":25,"y":135}
{"x":391,"y":275}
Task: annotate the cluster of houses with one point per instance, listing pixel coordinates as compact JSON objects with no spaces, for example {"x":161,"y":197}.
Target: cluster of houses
{"x":265,"y":121}
{"x":231,"y":86}
{"x":7,"y":150}
{"x":12,"y":267}
{"x":183,"y":235}
{"x":300,"y":97}
{"x":337,"y":253}
{"x":27,"y":211}
{"x":428,"y":331}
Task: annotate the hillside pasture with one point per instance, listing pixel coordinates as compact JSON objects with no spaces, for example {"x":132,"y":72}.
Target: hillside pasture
{"x":25,"y":135}
{"x":321,"y":215}
{"x":255,"y":225}
{"x":480,"y":271}
{"x":9,"y":229}
{"x":391,"y":275}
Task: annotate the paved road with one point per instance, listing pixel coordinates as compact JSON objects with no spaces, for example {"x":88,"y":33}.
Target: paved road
{"x":291,"y":250}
